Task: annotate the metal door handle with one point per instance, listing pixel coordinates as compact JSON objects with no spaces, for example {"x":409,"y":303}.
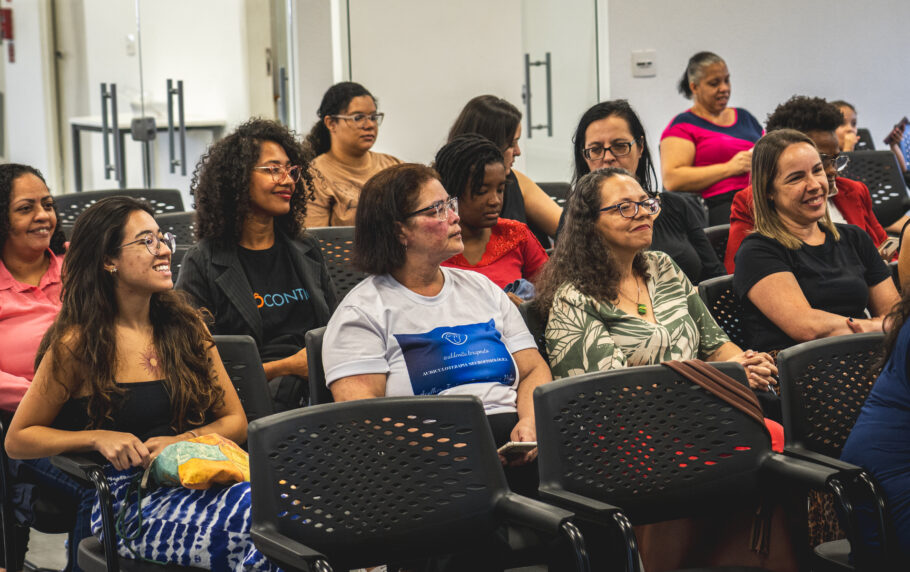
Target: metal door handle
{"x":111,"y":124}
{"x":527,"y":95}
{"x":178,"y":92}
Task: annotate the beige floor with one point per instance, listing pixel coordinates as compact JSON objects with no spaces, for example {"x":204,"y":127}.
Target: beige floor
{"x":47,"y":550}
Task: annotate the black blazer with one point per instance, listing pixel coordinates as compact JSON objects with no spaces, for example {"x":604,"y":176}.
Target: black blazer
{"x":212,"y":274}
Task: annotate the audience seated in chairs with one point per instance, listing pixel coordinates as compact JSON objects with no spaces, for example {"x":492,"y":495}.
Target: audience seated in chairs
{"x":848,"y":201}
{"x":415,"y":328}
{"x":611,"y":303}
{"x":128,"y":368}
{"x":252,"y":269}
{"x":31,"y":257}
{"x":341,"y":140}
{"x":471,"y":169}
{"x":610,"y":134}
{"x":801,"y":276}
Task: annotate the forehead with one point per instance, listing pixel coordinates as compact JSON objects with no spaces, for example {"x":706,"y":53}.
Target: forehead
{"x":139,"y":222}
{"x":619,"y":188}
{"x":848,"y":113}
{"x":271,"y":152}
{"x":28,"y":186}
{"x":493,"y":172}
{"x":797,"y":156}
{"x":608,"y":129}
{"x":361,"y":104}
{"x":431,"y":192}
{"x":714,"y":70}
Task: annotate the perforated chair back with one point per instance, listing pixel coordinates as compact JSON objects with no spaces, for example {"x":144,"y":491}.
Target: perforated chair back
{"x":319,"y":393}
{"x":71,"y":205}
{"x":376,"y":480}
{"x":244,"y":366}
{"x":725,"y":307}
{"x":864,"y":140}
{"x":824,"y":384}
{"x":177,"y":261}
{"x":337,"y":244}
{"x":536,"y":326}
{"x":880,"y":171}
{"x":718,"y":236}
{"x":182,"y":224}
{"x":649,"y":441}
{"x":559,"y":192}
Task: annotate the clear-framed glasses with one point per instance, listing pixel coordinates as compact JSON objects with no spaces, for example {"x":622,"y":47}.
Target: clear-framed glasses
{"x":360,"y":119}
{"x":279,"y":172}
{"x":619,"y":149}
{"x":839,"y":161}
{"x":442,"y":209}
{"x":629,"y":209}
{"x":153,"y":242}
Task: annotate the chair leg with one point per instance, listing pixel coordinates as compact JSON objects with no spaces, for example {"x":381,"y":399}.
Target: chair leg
{"x":97,"y":477}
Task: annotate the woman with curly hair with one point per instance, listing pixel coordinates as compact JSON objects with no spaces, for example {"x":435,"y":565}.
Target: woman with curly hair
{"x":127,"y":368}
{"x":341,"y":140}
{"x":253,"y":268}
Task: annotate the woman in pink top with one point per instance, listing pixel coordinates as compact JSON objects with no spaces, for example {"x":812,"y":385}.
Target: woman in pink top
{"x":708,"y":149}
{"x":30,"y":247}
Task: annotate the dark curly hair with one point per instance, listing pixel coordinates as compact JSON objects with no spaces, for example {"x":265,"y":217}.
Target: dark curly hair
{"x":805,"y":114}
{"x":582,"y":256}
{"x":9,"y":172}
{"x":335,"y":101}
{"x":461,"y":163}
{"x":221,"y":181}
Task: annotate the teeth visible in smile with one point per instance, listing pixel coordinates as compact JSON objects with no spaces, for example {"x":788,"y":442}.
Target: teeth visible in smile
{"x":42,"y":231}
{"x":162,"y":268}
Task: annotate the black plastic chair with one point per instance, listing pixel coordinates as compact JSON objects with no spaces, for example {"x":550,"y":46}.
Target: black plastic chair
{"x":718,"y":236}
{"x":244,"y":366}
{"x":177,"y":260}
{"x":536,"y":326}
{"x":660,"y":447}
{"x":880,"y":171}
{"x":387,"y":480}
{"x":182,"y":224}
{"x":559,"y":192}
{"x":725,"y":307}
{"x":864,"y":140}
{"x":70,"y":206}
{"x":319,"y":393}
{"x":337,"y":243}
{"x":895,"y":275}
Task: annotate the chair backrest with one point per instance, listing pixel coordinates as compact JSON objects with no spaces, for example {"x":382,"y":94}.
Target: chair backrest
{"x":725,"y":307}
{"x":559,"y":192}
{"x":244,"y":366}
{"x":337,"y":244}
{"x":182,"y":224}
{"x":377,"y":480}
{"x":319,"y":393}
{"x":177,"y":260}
{"x":647,"y":440}
{"x":895,"y":274}
{"x":718,"y":236}
{"x":864,"y":140}
{"x":880,"y":171}
{"x":71,"y":205}
{"x":536,"y":326}
{"x":824,"y":384}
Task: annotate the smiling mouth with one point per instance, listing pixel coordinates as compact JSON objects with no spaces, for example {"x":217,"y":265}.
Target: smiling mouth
{"x":163,"y":268}
{"x":43,"y":231}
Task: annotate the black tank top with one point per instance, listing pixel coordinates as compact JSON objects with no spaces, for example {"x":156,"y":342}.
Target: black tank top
{"x":144,"y":410}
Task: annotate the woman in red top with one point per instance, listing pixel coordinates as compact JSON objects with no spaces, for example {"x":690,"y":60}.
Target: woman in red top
{"x":850,"y":202}
{"x":471,"y":169}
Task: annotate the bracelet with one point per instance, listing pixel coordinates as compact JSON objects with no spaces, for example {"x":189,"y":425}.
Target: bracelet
{"x":193,"y":433}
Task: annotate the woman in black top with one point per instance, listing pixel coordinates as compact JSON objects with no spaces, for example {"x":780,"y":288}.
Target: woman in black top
{"x":252,"y":268}
{"x":610,"y":134}
{"x":800,"y":276}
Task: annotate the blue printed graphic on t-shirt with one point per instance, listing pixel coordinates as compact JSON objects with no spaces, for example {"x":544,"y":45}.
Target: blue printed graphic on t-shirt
{"x":457,"y":355}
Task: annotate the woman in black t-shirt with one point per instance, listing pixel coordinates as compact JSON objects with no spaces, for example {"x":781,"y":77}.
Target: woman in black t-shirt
{"x":800,"y":276}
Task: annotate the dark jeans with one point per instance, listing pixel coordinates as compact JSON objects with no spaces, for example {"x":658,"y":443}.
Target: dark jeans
{"x":523,"y":480}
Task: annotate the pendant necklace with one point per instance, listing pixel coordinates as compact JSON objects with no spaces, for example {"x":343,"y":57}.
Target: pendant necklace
{"x":642,"y":308}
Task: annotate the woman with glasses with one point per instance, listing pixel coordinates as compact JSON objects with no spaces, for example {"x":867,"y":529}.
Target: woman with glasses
{"x":417,"y":328}
{"x":610,"y":302}
{"x":503,"y":250}
{"x":253,"y":268}
{"x":341,"y":140}
{"x":126,"y":369}
{"x":848,"y":201}
{"x":610,"y":134}
{"x":801,"y":276}
{"x":706,"y":150}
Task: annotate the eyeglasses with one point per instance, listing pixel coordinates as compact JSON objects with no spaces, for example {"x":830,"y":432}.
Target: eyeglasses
{"x":629,"y":209}
{"x":442,"y":209}
{"x":153,"y":242}
{"x":839,"y":161}
{"x":279,"y":172}
{"x":360,"y":119}
{"x":619,"y":149}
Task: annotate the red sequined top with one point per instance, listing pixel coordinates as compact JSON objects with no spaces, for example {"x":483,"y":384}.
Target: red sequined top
{"x":512,"y":253}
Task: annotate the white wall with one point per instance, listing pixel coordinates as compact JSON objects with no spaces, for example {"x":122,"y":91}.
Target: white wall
{"x":847,"y":50}
{"x":313,"y":59}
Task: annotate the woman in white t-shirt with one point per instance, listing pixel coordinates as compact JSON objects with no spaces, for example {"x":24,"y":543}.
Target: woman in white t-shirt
{"x":415,"y":328}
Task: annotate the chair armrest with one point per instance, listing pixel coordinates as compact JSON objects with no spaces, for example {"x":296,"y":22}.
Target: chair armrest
{"x":807,"y":455}
{"x":807,"y":473}
{"x":287,"y":553}
{"x":79,"y":466}
{"x":587,"y":508}
{"x":523,"y":511}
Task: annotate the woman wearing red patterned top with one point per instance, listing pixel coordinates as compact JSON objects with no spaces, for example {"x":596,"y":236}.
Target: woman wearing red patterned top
{"x":471,"y":169}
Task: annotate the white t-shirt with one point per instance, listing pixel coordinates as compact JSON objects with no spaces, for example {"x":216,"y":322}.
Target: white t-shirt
{"x":459,"y":342}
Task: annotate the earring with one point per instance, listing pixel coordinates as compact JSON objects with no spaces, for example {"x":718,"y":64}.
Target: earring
{"x":112,"y":269}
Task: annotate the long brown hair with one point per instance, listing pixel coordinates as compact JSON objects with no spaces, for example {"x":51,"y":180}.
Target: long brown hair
{"x":83,"y":337}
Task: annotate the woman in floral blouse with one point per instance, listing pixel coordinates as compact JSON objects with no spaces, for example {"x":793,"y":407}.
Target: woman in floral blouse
{"x":612,"y":303}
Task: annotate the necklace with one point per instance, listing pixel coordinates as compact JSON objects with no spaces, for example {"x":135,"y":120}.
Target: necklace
{"x":642,"y":308}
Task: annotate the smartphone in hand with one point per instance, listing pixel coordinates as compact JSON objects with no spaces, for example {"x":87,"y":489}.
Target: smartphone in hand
{"x":516,"y":449}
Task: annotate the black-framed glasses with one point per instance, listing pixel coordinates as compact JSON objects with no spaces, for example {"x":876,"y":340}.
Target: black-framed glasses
{"x":618,"y":149}
{"x":153,"y":242}
{"x":839,"y":161}
{"x":442,"y":209}
{"x":629,"y":209}
{"x":279,"y":172}
{"x":360,"y":119}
